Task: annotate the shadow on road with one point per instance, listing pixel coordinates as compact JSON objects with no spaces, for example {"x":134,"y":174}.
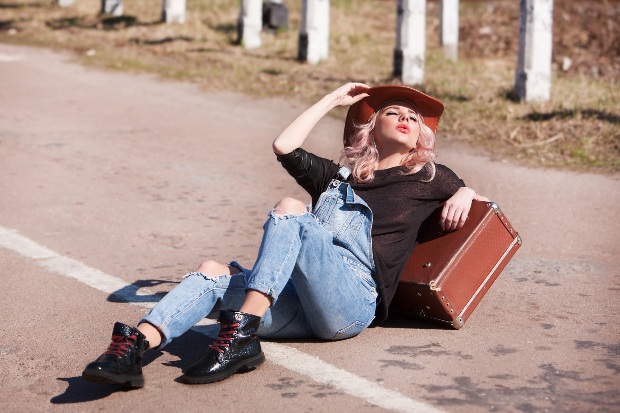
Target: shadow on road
{"x":188,"y":348}
{"x":131,"y":294}
{"x":401,"y":320}
{"x":80,"y":391}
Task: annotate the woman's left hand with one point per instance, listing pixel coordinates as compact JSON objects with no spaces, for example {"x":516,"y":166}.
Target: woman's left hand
{"x":348,"y":94}
{"x":456,"y":209}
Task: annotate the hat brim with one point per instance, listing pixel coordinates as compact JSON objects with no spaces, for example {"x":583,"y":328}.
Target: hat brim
{"x":359,"y":113}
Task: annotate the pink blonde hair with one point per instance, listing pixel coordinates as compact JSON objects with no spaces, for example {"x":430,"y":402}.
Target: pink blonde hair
{"x":361,"y":155}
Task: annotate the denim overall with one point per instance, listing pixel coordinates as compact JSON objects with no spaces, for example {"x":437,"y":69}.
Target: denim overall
{"x":316,"y":267}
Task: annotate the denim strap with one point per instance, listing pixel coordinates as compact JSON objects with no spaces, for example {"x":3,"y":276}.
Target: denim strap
{"x":343,"y":173}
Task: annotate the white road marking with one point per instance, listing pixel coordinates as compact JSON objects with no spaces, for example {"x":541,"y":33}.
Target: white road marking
{"x":284,"y":356}
{"x":323,"y":372}
{"x":9,"y":58}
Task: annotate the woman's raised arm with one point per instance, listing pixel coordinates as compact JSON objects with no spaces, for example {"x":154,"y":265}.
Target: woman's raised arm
{"x":294,"y":135}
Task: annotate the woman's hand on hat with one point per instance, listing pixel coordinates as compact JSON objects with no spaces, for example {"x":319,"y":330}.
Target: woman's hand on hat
{"x":294,"y":135}
{"x":349,"y":94}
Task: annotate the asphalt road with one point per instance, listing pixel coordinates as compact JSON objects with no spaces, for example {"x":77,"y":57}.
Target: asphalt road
{"x":113,"y":186}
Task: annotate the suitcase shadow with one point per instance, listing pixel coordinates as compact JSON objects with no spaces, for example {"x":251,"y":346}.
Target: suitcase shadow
{"x":401,"y":320}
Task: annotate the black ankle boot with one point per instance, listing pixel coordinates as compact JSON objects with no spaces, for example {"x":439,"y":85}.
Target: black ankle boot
{"x":236,"y":349}
{"x":121,"y":364}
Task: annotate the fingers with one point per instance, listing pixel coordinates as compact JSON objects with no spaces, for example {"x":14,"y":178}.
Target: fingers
{"x":357,"y":85}
{"x":462,"y":217}
{"x":448,"y":217}
{"x":359,"y":97}
{"x":456,"y":209}
{"x":453,"y":217}
{"x":352,"y":89}
{"x":350,"y":93}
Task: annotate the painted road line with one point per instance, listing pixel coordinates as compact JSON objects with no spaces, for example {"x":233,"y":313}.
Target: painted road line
{"x":279,"y":354}
{"x":9,"y":58}
{"x":323,"y":372}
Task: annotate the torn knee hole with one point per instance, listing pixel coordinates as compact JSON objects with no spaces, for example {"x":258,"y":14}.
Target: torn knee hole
{"x":280,"y":211}
{"x":209,"y":278}
{"x":289,"y":206}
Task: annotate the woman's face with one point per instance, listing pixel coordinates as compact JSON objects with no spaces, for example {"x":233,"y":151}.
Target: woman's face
{"x":397,"y":127}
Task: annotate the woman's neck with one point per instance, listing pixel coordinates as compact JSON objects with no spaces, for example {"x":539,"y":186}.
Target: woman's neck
{"x":390,"y":161}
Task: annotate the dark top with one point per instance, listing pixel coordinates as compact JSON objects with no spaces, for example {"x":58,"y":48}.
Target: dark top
{"x":399,"y":204}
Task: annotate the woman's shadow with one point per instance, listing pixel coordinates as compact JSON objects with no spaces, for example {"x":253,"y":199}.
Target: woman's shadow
{"x":188,"y":348}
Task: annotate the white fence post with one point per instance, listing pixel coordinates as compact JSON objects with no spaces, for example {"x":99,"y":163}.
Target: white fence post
{"x":112,"y":7}
{"x":409,"y":54}
{"x":533,"y":74}
{"x":314,"y":31}
{"x":449,"y":28}
{"x":65,"y":3}
{"x":173,"y":11}
{"x":250,"y":23}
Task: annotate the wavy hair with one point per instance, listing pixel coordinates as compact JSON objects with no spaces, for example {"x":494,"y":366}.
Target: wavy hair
{"x":361,"y":155}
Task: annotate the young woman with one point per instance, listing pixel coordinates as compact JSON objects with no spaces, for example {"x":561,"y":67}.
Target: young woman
{"x":324,"y":271}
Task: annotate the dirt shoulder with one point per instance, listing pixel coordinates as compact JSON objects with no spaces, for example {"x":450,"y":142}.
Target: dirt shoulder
{"x":578,"y":129}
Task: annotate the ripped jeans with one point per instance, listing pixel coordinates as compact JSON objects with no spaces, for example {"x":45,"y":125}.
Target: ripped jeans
{"x":316,"y":267}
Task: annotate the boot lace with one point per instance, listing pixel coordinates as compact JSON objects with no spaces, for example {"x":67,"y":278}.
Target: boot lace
{"x":226,"y":336}
{"x":120,"y":345}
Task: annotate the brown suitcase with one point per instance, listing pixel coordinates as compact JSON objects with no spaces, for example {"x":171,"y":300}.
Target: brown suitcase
{"x":448,"y":273}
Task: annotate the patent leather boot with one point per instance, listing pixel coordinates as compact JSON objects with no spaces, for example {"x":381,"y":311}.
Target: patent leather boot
{"x":236,"y":349}
{"x":121,"y":364}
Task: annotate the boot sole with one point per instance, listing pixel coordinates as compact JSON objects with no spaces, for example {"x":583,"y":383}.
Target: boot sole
{"x":100,"y":377}
{"x":243,"y":366}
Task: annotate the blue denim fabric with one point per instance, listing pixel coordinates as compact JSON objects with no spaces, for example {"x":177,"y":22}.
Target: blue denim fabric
{"x":317,"y":268}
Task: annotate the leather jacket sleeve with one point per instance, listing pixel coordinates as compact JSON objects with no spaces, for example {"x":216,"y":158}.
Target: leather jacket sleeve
{"x":310,"y":171}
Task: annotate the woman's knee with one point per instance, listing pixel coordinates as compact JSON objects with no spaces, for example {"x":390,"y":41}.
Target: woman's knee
{"x":212,"y":268}
{"x":289,"y":206}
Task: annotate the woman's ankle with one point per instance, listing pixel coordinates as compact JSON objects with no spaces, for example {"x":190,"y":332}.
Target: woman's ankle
{"x":256,"y":303}
{"x":153,"y":335}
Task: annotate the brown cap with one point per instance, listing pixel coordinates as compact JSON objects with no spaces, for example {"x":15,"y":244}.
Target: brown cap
{"x":359,"y":113}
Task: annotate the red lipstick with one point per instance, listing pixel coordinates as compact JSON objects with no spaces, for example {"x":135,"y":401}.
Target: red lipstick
{"x":403,"y":128}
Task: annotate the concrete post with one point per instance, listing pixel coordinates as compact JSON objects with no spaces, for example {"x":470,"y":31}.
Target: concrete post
{"x":409,"y":54}
{"x":65,"y":3}
{"x":173,"y":11}
{"x":533,"y":74}
{"x":449,"y":28}
{"x":250,"y":23}
{"x":112,"y":7}
{"x":275,"y":16}
{"x":314,"y":31}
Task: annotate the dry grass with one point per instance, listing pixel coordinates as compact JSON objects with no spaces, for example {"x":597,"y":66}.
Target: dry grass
{"x":579,"y":128}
